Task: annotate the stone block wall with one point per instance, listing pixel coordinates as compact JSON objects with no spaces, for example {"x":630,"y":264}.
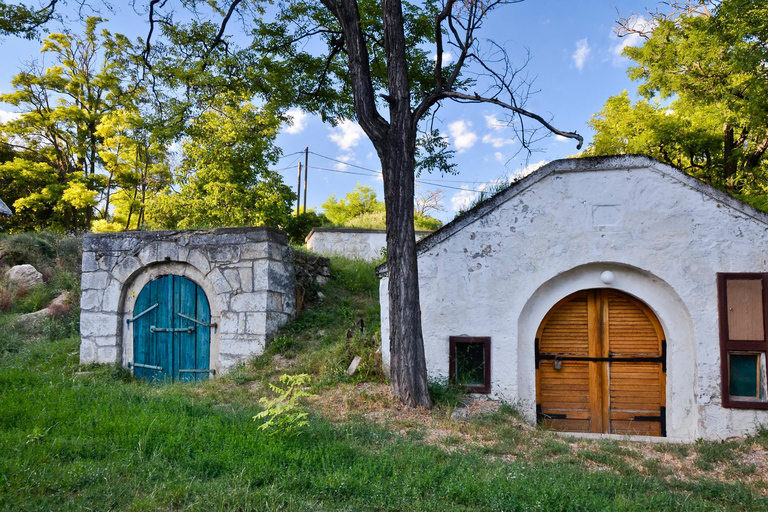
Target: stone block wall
{"x":247,"y":275}
{"x":366,"y":244}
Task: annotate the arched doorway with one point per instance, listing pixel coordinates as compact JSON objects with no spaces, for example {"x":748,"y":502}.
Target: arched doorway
{"x":601,"y":366}
{"x":171,"y":331}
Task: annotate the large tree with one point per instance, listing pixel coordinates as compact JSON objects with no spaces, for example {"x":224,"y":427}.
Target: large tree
{"x":380,"y":62}
{"x":707,"y":61}
{"x":372,"y":61}
{"x":55,"y":179}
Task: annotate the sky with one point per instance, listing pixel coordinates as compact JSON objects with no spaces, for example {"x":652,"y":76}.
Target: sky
{"x":575,"y":62}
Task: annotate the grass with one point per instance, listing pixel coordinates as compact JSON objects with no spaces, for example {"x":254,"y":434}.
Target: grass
{"x":92,"y":438}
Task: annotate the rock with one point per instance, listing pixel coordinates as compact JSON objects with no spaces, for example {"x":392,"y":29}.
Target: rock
{"x":353,"y":365}
{"x":24,"y":275}
{"x":32,"y":321}
{"x":61,"y":305}
{"x":320,"y":295}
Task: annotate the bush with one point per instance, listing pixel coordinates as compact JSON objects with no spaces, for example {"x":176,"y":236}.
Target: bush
{"x":297,"y":227}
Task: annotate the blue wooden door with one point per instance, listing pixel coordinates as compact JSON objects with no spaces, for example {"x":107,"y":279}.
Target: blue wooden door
{"x":171,"y":331}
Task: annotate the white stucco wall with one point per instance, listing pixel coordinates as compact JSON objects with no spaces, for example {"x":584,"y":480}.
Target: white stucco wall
{"x":366,"y":244}
{"x":497,"y":271}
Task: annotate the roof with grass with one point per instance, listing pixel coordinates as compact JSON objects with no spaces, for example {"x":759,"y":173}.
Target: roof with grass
{"x":567,"y":165}
{"x":4,"y":210}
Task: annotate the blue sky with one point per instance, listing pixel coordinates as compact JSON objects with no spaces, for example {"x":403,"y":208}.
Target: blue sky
{"x":576,"y":64}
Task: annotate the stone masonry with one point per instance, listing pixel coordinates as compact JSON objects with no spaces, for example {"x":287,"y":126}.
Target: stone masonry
{"x":247,"y":275}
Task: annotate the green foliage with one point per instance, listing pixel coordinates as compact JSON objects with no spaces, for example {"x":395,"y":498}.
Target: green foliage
{"x":361,"y":209}
{"x":362,"y":200}
{"x":54,"y":181}
{"x":224,"y":178}
{"x":707,"y":65}
{"x":283,"y":415}
{"x":297,"y":227}
{"x":52,"y":254}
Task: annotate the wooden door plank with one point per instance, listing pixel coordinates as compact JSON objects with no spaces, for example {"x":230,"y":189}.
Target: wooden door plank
{"x":595,"y":326}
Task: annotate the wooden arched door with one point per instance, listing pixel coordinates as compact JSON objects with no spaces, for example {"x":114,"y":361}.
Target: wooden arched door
{"x":171,"y":331}
{"x":601,"y":366}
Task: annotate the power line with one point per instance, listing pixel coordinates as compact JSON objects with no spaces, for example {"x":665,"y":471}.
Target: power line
{"x":378,"y":174}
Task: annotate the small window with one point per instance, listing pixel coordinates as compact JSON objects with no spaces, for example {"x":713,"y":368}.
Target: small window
{"x":743,"y":347}
{"x":744,"y":376}
{"x":470,"y":363}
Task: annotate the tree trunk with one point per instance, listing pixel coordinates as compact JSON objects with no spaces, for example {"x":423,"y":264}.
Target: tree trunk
{"x":408,"y":364}
{"x":406,"y":345}
{"x":729,"y":162}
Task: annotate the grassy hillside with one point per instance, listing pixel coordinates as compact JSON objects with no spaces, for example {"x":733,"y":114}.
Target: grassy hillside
{"x":92,"y":438}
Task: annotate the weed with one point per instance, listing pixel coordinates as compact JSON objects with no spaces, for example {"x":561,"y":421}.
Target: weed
{"x":678,"y":450}
{"x":445,"y":394}
{"x":283,"y":416}
{"x":710,"y":453}
{"x":551,"y":446}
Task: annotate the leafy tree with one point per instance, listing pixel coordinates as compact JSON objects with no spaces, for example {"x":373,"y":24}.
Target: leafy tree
{"x":358,"y":202}
{"x":708,"y":60}
{"x":224,"y":178}
{"x":24,"y":21}
{"x":57,"y":132}
{"x":361,"y":209}
{"x":365,"y":59}
{"x":136,"y":167}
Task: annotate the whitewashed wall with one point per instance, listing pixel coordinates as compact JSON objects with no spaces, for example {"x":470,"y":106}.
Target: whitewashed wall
{"x":366,"y":244}
{"x":499,"y":269}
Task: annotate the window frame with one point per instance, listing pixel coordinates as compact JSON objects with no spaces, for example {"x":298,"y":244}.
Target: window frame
{"x":728,"y":346}
{"x":453,"y":341}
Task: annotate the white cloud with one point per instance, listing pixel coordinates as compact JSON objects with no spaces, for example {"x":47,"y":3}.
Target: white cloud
{"x":8,"y":116}
{"x":495,"y":124}
{"x":347,"y":134}
{"x":581,"y":53}
{"x":463,"y":137}
{"x":560,"y":138}
{"x":499,"y":157}
{"x":297,"y":120}
{"x":636,"y":23}
{"x":447,"y":57}
{"x":497,"y":142}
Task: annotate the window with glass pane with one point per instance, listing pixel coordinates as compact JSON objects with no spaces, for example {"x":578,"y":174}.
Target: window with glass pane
{"x":744,"y":375}
{"x":742,"y":301}
{"x":470,"y":363}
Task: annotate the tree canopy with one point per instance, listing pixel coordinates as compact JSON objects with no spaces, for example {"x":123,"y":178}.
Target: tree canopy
{"x":704,"y":86}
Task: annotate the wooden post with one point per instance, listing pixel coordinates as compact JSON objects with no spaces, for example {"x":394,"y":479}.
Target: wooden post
{"x":306,"y":169}
{"x":298,"y":193}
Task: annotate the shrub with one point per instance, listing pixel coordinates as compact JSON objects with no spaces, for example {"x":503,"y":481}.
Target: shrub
{"x":284,"y":417}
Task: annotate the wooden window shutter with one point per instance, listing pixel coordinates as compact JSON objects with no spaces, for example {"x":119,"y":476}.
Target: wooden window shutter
{"x":742,"y":304}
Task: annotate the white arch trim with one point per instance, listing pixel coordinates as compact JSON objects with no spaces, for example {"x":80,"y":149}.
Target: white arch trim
{"x":659,"y":296}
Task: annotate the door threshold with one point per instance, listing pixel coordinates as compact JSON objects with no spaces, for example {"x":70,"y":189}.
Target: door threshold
{"x":624,"y":437}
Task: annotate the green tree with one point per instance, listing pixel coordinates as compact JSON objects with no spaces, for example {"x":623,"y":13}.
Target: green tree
{"x":224,"y":179}
{"x":707,"y":59}
{"x":360,"y":201}
{"x":61,"y":107}
{"x":372,"y":61}
{"x":361,"y":209}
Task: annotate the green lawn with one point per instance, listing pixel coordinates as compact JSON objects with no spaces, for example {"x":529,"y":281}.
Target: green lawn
{"x":75,"y":438}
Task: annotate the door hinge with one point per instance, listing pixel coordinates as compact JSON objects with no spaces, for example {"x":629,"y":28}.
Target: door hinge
{"x":214,"y":325}
{"x":211,"y":371}
{"x":188,"y":330}
{"x":145,"y":366}
{"x":150,"y":308}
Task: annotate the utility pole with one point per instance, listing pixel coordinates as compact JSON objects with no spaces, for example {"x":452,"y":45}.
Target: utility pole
{"x":298,"y":193}
{"x":306,"y":169}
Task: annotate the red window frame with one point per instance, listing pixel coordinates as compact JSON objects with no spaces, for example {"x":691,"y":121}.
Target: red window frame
{"x":728,"y":345}
{"x":453,"y":341}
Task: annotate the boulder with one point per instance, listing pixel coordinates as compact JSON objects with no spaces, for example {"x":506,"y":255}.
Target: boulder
{"x":33,"y":322}
{"x":24,"y":275}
